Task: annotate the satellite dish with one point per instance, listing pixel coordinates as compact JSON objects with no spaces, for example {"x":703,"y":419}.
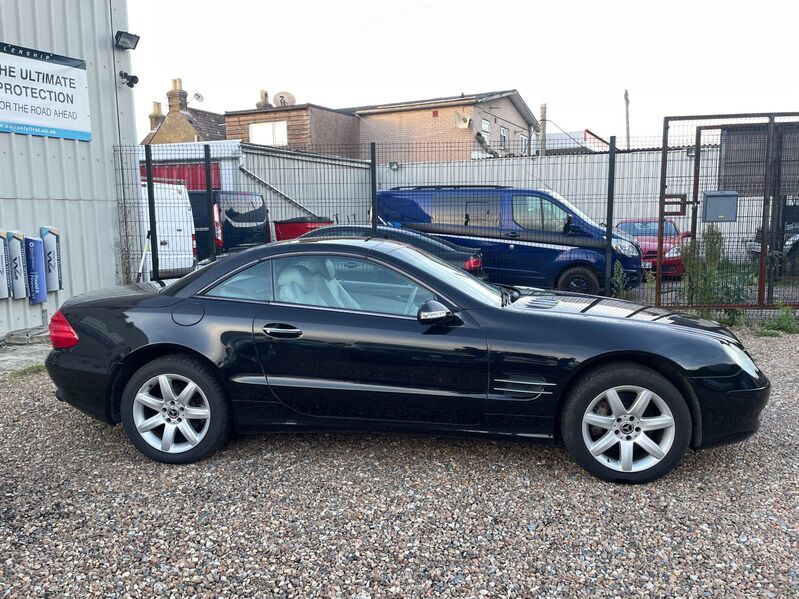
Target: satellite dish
{"x":462,"y":120}
{"x":285,"y":99}
{"x":198,"y":96}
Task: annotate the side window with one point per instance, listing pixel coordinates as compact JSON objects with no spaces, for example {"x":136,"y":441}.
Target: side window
{"x":527,"y":212}
{"x":467,"y":209}
{"x":253,"y":283}
{"x":538,"y":214}
{"x":347,"y":283}
{"x":553,"y":217}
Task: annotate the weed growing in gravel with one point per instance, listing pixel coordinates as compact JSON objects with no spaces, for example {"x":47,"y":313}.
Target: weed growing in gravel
{"x":22,"y":372}
{"x":765,"y":333}
{"x":786,"y":321}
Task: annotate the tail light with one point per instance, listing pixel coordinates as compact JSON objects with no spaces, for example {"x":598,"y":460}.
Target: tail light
{"x":473,"y":263}
{"x":194,"y":245}
{"x":62,"y":335}
{"x":218,"y":227}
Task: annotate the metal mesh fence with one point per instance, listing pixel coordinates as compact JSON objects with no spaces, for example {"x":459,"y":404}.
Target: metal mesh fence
{"x":519,"y":216}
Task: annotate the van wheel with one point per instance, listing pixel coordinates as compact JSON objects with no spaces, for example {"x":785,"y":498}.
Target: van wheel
{"x":174,"y":410}
{"x":579,"y":279}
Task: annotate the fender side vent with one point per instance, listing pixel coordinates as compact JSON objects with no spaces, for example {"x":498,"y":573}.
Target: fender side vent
{"x":523,"y":387}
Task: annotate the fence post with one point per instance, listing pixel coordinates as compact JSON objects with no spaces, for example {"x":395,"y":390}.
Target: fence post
{"x":609,"y":217}
{"x":664,"y":158}
{"x":209,"y":199}
{"x":152,"y":233}
{"x":373,"y":181}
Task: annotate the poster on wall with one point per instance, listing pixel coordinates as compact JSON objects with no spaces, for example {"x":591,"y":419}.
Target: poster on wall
{"x":16,"y":259}
{"x":51,"y":237}
{"x":42,"y":93}
{"x":5,"y":267}
{"x":34,"y":264}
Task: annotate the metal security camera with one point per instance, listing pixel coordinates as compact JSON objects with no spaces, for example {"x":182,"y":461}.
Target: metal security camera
{"x":130,"y":80}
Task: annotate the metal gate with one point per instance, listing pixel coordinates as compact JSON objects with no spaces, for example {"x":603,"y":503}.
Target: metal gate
{"x":742,"y":191}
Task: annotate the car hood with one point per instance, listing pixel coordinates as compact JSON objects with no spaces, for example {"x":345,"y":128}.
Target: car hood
{"x":605,"y":307}
{"x":650,"y":244}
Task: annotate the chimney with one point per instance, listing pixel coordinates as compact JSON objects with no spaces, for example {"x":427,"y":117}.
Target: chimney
{"x":156,"y":117}
{"x":264,"y":101}
{"x":178,"y":99}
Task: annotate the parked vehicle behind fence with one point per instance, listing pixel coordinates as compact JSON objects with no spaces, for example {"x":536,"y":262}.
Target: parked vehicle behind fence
{"x":645,"y":233}
{"x":527,"y":236}
{"x":469,"y":259}
{"x":787,"y":254}
{"x":176,"y":233}
{"x":240,"y":219}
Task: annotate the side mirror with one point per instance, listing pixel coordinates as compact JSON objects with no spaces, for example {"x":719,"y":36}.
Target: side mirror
{"x":433,"y":312}
{"x":686,"y":235}
{"x":567,"y":226}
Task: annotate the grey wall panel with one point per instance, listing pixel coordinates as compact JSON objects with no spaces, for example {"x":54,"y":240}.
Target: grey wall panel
{"x":67,"y":183}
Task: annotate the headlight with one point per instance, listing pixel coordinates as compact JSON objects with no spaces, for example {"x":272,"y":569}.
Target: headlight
{"x":624,"y":247}
{"x":674,"y":252}
{"x":742,"y":359}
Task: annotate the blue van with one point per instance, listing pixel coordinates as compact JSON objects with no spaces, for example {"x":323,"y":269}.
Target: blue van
{"x":528,"y":237}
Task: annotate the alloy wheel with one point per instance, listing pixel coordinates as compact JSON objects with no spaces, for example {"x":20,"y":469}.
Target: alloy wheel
{"x":171,"y":413}
{"x":628,"y":428}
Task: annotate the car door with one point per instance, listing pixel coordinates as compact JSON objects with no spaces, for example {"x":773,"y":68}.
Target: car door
{"x":368,"y":357}
{"x":537,"y":227}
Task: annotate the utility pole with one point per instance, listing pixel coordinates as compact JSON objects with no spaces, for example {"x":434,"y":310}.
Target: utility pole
{"x":543,"y":146}
{"x":627,"y":115}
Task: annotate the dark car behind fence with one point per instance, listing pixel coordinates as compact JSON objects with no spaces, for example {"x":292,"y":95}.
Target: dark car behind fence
{"x":536,"y":213}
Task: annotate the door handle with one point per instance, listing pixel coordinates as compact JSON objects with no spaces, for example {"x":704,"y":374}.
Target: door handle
{"x":511,"y":234}
{"x":281,"y":331}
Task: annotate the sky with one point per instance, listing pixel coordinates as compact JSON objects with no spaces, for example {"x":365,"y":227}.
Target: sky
{"x":699,"y":57}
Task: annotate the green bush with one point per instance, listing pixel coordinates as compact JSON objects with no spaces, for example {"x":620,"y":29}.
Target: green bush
{"x":709,"y":279}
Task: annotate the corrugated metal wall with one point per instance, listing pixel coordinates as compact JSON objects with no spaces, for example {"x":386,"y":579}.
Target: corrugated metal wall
{"x":65,"y":183}
{"x":327,"y":186}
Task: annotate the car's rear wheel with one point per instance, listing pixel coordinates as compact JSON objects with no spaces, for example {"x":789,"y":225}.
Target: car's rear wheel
{"x":626,"y":423}
{"x":579,"y":279}
{"x":174,"y":410}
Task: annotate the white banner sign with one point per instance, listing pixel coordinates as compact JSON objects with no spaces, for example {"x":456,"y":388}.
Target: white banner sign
{"x":42,"y":93}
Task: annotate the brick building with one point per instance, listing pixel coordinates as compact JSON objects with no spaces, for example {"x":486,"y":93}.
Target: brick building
{"x":450,"y":128}
{"x":183,"y":123}
{"x":295,"y":126}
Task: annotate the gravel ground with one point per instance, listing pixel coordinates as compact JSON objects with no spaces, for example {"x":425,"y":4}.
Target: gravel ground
{"x":82,"y":513}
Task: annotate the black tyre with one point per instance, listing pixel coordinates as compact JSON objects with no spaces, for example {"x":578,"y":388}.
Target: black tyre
{"x":174,"y":410}
{"x":579,"y":279}
{"x":626,"y":423}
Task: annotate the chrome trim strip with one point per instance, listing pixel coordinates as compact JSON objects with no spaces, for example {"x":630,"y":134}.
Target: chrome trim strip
{"x":523,"y":391}
{"x":524,"y":382}
{"x":309,"y":383}
{"x":246,"y":379}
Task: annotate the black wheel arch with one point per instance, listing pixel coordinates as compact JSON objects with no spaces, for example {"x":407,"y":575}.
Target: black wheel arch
{"x":659,"y":364}
{"x":578,"y":264}
{"x":138,"y":358}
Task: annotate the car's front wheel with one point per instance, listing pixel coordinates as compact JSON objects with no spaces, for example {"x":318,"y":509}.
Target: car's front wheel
{"x":626,"y":423}
{"x":174,"y":410}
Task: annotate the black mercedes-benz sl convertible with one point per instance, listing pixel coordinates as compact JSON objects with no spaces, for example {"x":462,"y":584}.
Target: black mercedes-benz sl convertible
{"x":360,"y":334}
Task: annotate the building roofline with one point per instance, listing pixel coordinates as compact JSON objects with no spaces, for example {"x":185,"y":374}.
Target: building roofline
{"x":465,"y":99}
{"x":285,"y":109}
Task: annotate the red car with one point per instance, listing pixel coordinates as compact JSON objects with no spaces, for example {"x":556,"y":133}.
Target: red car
{"x":645,"y":232}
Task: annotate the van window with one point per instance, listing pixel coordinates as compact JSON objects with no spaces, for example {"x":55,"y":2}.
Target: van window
{"x":466,"y":209}
{"x":538,"y":214}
